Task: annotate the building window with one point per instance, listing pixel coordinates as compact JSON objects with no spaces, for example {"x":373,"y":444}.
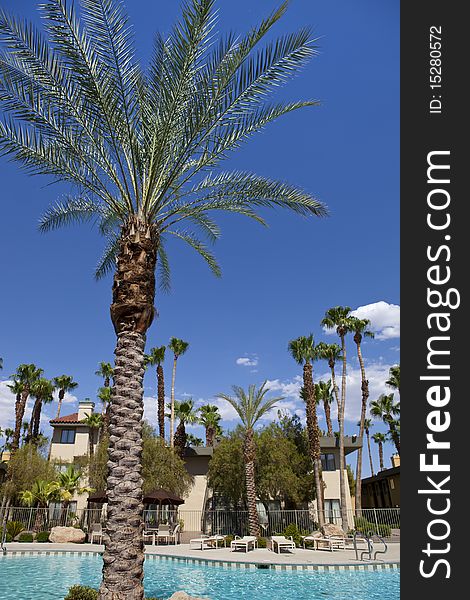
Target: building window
{"x":328,"y":462}
{"x":332,"y":511}
{"x":67,"y":436}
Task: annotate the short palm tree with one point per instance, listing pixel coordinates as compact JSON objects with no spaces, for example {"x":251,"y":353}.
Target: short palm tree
{"x":194,"y":441}
{"x":303,"y":351}
{"x":386,"y":409}
{"x":25,"y":376}
{"x":64,"y":383}
{"x":106,"y":371}
{"x":69,"y":486}
{"x":394,"y":378}
{"x":178,"y":347}
{"x":367,"y":427}
{"x":156,"y":358}
{"x":380,"y":439}
{"x":360,"y":327}
{"x":42,"y":390}
{"x":339,"y":318}
{"x":140,"y":150}
{"x":209,"y":417}
{"x":250,"y":407}
{"x":41,"y":493}
{"x":94,"y":421}
{"x":324,"y":393}
{"x":184,"y":411}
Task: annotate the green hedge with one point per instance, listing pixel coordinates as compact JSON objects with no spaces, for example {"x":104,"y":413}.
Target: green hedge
{"x":25,"y":537}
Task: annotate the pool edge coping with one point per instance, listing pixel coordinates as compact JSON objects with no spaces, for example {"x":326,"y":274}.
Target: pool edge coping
{"x":360,"y":566}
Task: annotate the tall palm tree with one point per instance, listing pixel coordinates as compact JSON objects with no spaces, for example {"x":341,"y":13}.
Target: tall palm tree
{"x":339,"y":318}
{"x":141,"y":150}
{"x":386,"y":409}
{"x":209,"y":417}
{"x":380,"y":439}
{"x":23,"y":379}
{"x":42,"y":390}
{"x":361,"y":330}
{"x":367,"y":426}
{"x":105,"y":394}
{"x":94,"y":421}
{"x":64,"y":383}
{"x":178,"y":347}
{"x":303,"y":351}
{"x":250,"y":407}
{"x":184,"y":411}
{"x":106,"y":371}
{"x":324,"y":393}
{"x":394,"y":378}
{"x":331,"y":353}
{"x":156,"y":357}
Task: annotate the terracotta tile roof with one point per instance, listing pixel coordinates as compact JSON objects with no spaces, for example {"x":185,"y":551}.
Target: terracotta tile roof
{"x":73,"y":418}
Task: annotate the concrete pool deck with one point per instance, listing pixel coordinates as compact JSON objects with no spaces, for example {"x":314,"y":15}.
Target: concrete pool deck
{"x":262,"y":556}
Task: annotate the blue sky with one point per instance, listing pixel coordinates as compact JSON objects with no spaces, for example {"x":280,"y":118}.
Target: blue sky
{"x":278,"y":281}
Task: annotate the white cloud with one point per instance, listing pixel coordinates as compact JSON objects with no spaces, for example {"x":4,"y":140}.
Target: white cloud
{"x":247,"y":362}
{"x":384,"y":319}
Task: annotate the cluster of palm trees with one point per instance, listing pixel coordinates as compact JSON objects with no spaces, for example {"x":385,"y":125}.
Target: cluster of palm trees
{"x":28,"y":382}
{"x":184,"y":410}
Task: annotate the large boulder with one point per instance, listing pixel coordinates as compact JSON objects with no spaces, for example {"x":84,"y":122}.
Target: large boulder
{"x":332,"y":529}
{"x":66,"y":535}
{"x":183,"y":596}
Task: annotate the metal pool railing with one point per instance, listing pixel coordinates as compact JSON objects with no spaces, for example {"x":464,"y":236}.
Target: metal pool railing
{"x":381,"y":521}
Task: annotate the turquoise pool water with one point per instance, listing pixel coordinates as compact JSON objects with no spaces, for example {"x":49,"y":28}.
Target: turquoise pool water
{"x":49,"y":577}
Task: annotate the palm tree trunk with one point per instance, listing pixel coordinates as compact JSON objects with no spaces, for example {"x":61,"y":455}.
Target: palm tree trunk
{"x":370,"y":454}
{"x":210,"y":432}
{"x":91,"y":450}
{"x":132,"y":313}
{"x":381,"y":456}
{"x":180,"y":439}
{"x":249,"y":456}
{"x":365,"y":397}
{"x":314,"y":439}
{"x":172,"y":411}
{"x":329,"y":426}
{"x":36,"y":419}
{"x":20,"y":407}
{"x":341,"y":411}
{"x":59,"y":406}
{"x":161,"y":402}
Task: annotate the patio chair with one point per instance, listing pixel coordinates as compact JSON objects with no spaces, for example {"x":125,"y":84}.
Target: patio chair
{"x":163,"y":533}
{"x":330,"y":542}
{"x":149,"y":536}
{"x":281,"y":541}
{"x":247,"y":542}
{"x":173,"y":537}
{"x":96,"y":532}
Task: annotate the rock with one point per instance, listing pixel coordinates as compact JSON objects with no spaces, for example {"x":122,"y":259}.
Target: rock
{"x":183,"y":596}
{"x":332,"y":529}
{"x":66,"y":535}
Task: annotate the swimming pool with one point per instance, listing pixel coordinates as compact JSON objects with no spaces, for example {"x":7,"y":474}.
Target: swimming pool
{"x":43,"y":577}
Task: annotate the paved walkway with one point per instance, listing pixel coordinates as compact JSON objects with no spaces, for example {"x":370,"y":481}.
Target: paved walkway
{"x":261,"y":555}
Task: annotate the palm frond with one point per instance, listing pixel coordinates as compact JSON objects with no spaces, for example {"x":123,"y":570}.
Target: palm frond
{"x":200,"y":248}
{"x":70,"y":211}
{"x":107,"y":261}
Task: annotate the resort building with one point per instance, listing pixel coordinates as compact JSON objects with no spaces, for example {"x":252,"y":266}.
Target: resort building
{"x":70,"y":440}
{"x":383,"y":490}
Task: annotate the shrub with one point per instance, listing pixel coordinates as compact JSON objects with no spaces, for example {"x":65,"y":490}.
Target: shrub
{"x":82,"y":592}
{"x":14,"y":528}
{"x":292,"y":530}
{"x":262,"y":542}
{"x":8,"y":538}
{"x":228,"y":539}
{"x":25,"y":537}
{"x":43,"y":536}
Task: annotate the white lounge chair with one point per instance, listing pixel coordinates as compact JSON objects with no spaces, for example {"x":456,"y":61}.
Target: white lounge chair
{"x":204,"y":542}
{"x":330,"y":542}
{"x":163,"y":533}
{"x":247,"y":542}
{"x":281,"y":541}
